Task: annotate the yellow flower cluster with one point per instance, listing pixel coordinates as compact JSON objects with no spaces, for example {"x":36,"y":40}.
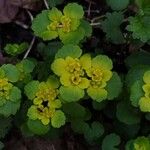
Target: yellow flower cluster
{"x":45,"y":103}
{"x":64,"y":23}
{"x":85,"y":73}
{"x":5,"y":88}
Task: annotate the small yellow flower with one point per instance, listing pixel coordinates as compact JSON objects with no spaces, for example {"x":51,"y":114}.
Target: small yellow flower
{"x":45,"y":102}
{"x":99,"y":73}
{"x":5,"y":88}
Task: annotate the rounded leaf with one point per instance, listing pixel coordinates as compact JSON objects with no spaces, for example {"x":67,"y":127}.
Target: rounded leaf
{"x":73,"y":51}
{"x":73,"y":10}
{"x":110,"y":142}
{"x":37,"y":127}
{"x":31,"y":89}
{"x":71,"y":94}
{"x":58,"y":119}
{"x":118,"y":4}
{"x":114,"y":86}
{"x":11,"y":72}
{"x":15,"y":94}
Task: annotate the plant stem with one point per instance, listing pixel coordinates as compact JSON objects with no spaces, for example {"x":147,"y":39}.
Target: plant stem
{"x":30,"y":47}
{"x":46,"y":4}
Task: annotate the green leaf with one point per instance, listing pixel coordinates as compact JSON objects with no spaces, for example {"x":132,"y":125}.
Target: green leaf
{"x":1,"y":145}
{"x":118,"y":4}
{"x":11,"y":72}
{"x":37,"y":127}
{"x":144,"y":6}
{"x":126,"y":131}
{"x":28,"y":65}
{"x":110,"y":142}
{"x":53,"y":3}
{"x":10,"y":108}
{"x":99,"y":105}
{"x":94,"y":132}
{"x":25,"y":131}
{"x":73,"y":51}
{"x":72,"y":37}
{"x":15,"y":94}
{"x":73,"y":10}
{"x":71,"y":94}
{"x":127,"y":114}
{"x":79,"y":126}
{"x":5,"y":125}
{"x":39,"y":25}
{"x":114,"y":86}
{"x":136,"y":74}
{"x":111,"y":26}
{"x":138,"y":58}
{"x":31,"y":89}
{"x":87,"y":28}
{"x":139,"y":143}
{"x":53,"y":81}
{"x":58,"y":119}
{"x":136,"y":93}
{"x":16,"y":49}
{"x":69,"y":109}
{"x":140,"y":27}
{"x":48,"y":51}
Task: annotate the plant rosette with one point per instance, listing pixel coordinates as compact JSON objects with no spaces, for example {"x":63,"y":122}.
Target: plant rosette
{"x":25,"y":68}
{"x":80,"y":74}
{"x":68,"y":25}
{"x":45,"y":108}
{"x":138,"y":80}
{"x":10,"y":95}
{"x":141,"y":143}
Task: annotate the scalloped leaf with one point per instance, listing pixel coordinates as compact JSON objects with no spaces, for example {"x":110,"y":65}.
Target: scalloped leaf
{"x":127,"y":114}
{"x":73,"y":10}
{"x":136,"y":93}
{"x":53,"y":3}
{"x":28,"y":65}
{"x":15,"y":94}
{"x":99,"y":105}
{"x":73,"y":51}
{"x":118,"y":4}
{"x":37,"y":127}
{"x":111,"y":26}
{"x":93,"y":132}
{"x":10,"y":108}
{"x":79,"y":126}
{"x":31,"y":89}
{"x":140,"y":27}
{"x":73,"y":37}
{"x":40,"y":23}
{"x":110,"y":142}
{"x":71,"y":94}
{"x":138,"y":58}
{"x":87,"y":27}
{"x":136,"y":74}
{"x":11,"y":72}
{"x":5,"y":125}
{"x":69,"y":109}
{"x":58,"y":119}
{"x":114,"y":86}
{"x":16,"y":49}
